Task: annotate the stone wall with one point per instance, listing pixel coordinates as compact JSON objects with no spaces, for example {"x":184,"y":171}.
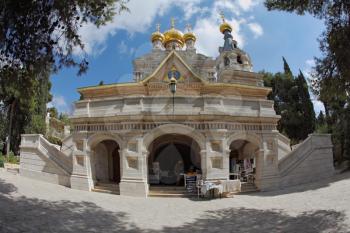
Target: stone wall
{"x":37,"y":161}
{"x":311,"y":161}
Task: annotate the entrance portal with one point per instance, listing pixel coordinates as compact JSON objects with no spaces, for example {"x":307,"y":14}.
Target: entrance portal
{"x":105,"y":162}
{"x":243,"y":160}
{"x":172,"y":156}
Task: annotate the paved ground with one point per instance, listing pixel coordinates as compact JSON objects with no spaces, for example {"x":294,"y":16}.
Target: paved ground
{"x":31,"y":206}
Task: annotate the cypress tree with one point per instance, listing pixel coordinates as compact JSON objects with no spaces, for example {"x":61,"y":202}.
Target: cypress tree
{"x":308,"y":118}
{"x":286,"y":68}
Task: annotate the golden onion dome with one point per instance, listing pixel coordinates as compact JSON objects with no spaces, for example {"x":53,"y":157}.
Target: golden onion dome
{"x":157,"y":35}
{"x":225,"y":26}
{"x":173,"y":35}
{"x":189,"y":35}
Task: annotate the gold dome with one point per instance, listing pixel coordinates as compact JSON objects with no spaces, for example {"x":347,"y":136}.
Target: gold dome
{"x":173,"y":35}
{"x":157,"y":36}
{"x":225,"y":26}
{"x":189,"y":35}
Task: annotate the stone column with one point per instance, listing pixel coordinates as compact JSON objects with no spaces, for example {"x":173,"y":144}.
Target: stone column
{"x":217,"y":157}
{"x":81,"y":173}
{"x":268,"y":178}
{"x":134,"y":169}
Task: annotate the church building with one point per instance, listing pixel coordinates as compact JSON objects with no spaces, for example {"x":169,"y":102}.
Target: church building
{"x":184,"y":113}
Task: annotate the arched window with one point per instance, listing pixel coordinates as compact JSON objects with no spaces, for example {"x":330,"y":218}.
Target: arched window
{"x":226,"y":61}
{"x":239,"y":59}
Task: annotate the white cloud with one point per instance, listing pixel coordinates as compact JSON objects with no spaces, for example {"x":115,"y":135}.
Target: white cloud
{"x":209,"y":37}
{"x":256,"y":29}
{"x":142,"y":16}
{"x":59,"y":102}
{"x":139,"y":20}
{"x":247,"y":4}
{"x":207,"y":28}
{"x":318,"y":106}
{"x":310,"y":63}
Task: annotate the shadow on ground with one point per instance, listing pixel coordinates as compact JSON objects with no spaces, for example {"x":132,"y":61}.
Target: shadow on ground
{"x":22,"y":214}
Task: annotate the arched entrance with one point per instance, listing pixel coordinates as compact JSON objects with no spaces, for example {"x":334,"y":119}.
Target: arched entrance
{"x":171,"y":156}
{"x":105,"y":162}
{"x":243,"y":160}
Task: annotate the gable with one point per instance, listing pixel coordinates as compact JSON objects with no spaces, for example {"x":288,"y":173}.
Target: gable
{"x":173,"y":65}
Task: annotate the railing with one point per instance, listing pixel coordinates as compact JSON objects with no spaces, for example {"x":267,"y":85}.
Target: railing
{"x":49,"y":150}
{"x":291,"y":160}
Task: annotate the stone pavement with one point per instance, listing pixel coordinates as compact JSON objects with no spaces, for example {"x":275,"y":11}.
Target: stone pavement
{"x":32,"y":206}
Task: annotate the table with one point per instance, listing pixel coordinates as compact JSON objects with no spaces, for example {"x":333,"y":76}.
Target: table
{"x":210,"y":187}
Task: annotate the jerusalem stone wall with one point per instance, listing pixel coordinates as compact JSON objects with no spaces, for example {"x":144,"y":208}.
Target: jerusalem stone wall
{"x":311,"y":161}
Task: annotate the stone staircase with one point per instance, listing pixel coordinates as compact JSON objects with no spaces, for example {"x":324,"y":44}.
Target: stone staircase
{"x":110,"y":188}
{"x":248,"y":187}
{"x":169,"y":191}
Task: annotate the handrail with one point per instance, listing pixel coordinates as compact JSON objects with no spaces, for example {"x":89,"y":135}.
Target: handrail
{"x":60,"y":158}
{"x":297,"y":154}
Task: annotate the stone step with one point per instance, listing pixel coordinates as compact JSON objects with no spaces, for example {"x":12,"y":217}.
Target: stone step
{"x":248,"y":187}
{"x":105,"y":191}
{"x":111,"y":188}
{"x":13,"y":170}
{"x":170,"y":194}
{"x":169,"y":191}
{"x":167,"y":188}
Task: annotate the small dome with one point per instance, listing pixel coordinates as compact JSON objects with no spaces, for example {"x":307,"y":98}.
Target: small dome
{"x":225,"y":26}
{"x":189,"y":36}
{"x":157,"y":36}
{"x":173,"y":35}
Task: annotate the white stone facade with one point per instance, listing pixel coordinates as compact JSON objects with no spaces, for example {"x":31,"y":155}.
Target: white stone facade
{"x":217,"y":109}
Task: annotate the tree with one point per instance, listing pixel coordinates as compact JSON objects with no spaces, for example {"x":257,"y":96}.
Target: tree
{"x":291,"y":101}
{"x":286,"y":67}
{"x":331,"y":77}
{"x":305,"y":106}
{"x":36,"y":39}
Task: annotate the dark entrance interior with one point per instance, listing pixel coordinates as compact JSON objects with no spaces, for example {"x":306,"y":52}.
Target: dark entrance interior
{"x":105,"y":162}
{"x":171,"y":156}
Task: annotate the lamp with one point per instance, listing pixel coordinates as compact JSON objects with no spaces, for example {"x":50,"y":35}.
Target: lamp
{"x":172,"y":87}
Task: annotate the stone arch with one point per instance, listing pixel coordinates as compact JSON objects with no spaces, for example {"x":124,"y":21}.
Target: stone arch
{"x":105,"y":158}
{"x":251,"y":137}
{"x":174,"y":129}
{"x":96,"y":138}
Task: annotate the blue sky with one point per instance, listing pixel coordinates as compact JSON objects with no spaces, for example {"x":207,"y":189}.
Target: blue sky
{"x":265,"y":36}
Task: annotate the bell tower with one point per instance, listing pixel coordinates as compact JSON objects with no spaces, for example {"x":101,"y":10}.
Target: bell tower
{"x":231,"y":58}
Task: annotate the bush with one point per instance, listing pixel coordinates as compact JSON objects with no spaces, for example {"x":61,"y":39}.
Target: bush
{"x":12,"y":158}
{"x":2,"y":160}
{"x":54,"y":140}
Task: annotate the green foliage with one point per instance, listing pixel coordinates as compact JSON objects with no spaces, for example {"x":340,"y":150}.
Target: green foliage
{"x":291,"y":101}
{"x":53,"y":112}
{"x":12,"y":158}
{"x":286,"y":67}
{"x":2,"y":160}
{"x":30,"y":50}
{"x":34,"y":30}
{"x":332,"y":71}
{"x":64,"y":118}
{"x":54,"y":140}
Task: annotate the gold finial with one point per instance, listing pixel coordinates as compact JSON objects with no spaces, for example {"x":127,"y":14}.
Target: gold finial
{"x":189,"y":27}
{"x":222,"y":16}
{"x":158,"y":27}
{"x":172,"y":22}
